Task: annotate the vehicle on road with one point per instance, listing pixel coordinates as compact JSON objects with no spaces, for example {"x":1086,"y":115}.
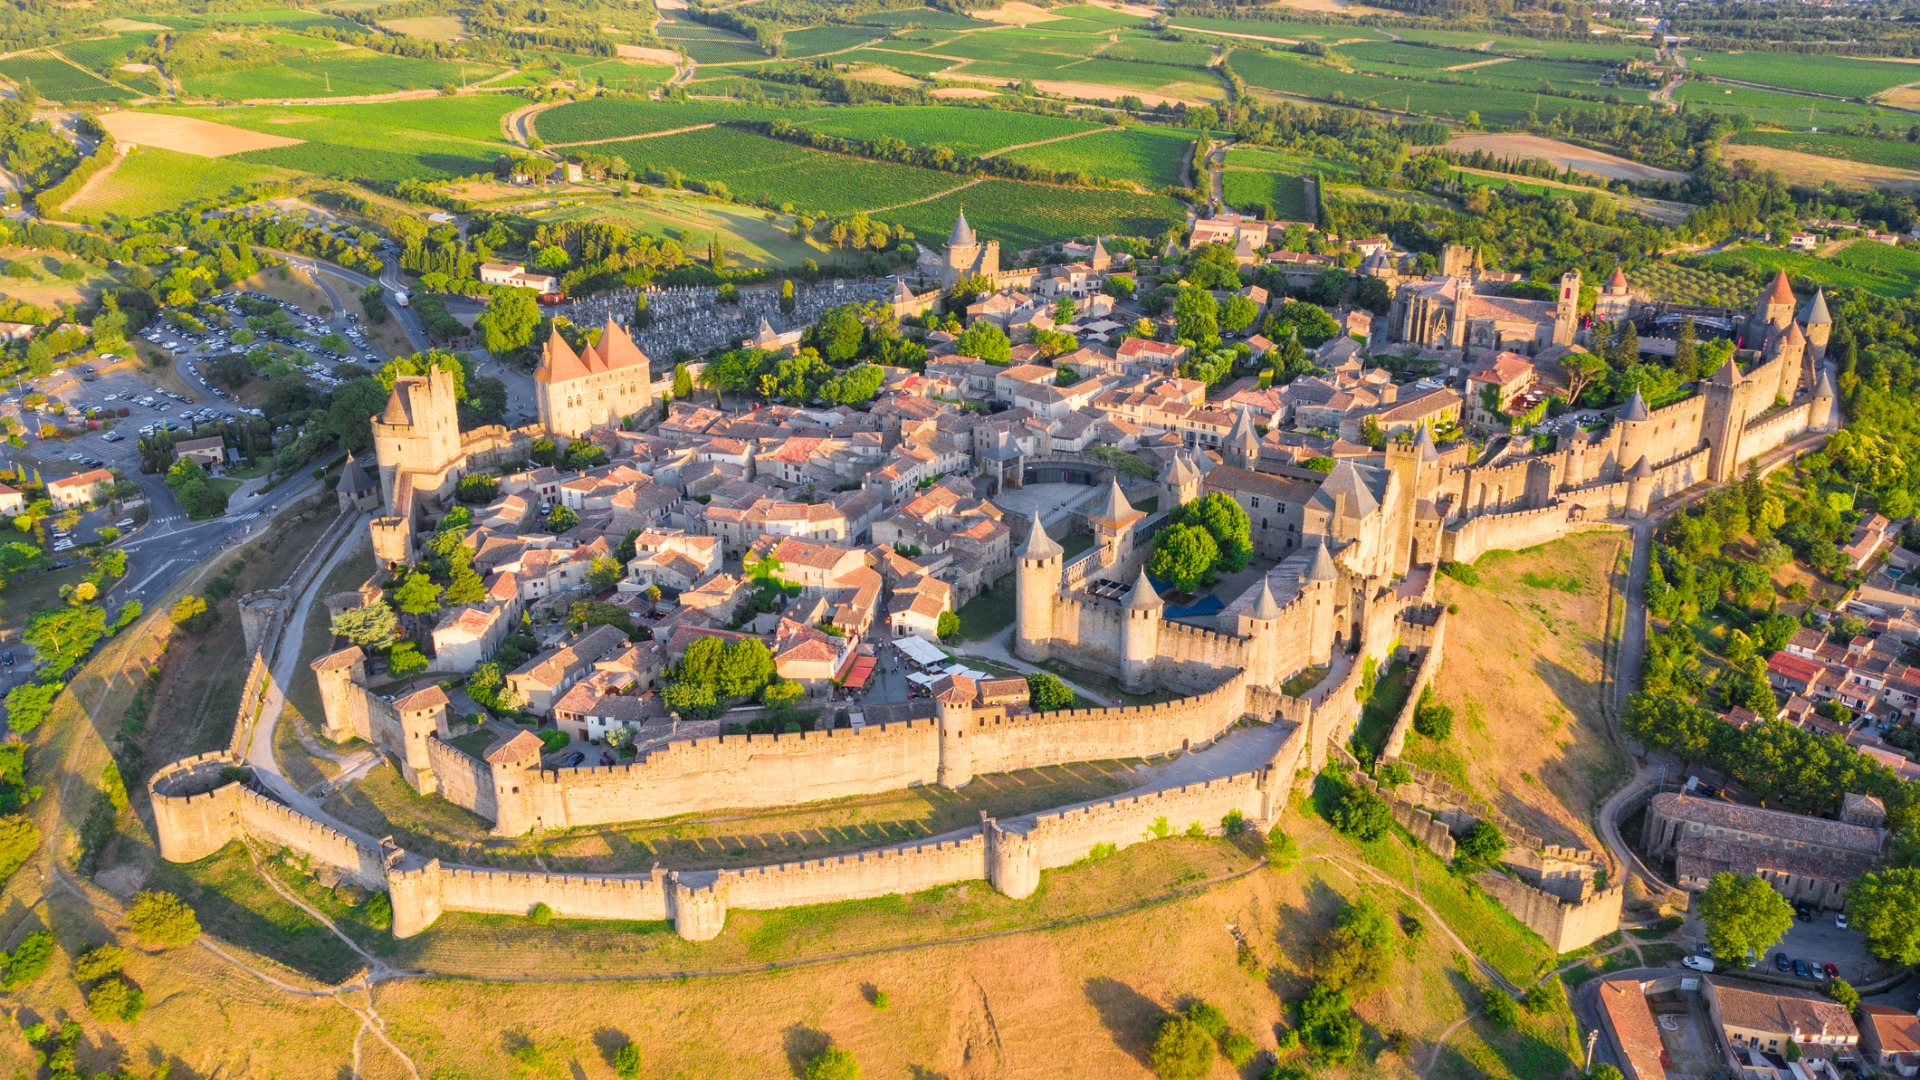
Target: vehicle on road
{"x":123,"y":523}
{"x":1840,"y":920}
{"x":1697,"y":963}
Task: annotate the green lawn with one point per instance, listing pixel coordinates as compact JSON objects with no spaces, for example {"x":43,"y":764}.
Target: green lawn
{"x":989,"y":613}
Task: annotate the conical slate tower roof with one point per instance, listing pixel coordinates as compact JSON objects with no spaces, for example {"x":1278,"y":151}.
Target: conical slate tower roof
{"x":1816,"y":313}
{"x":353,"y":479}
{"x":1728,"y":374}
{"x":1824,"y":388}
{"x":1423,"y":448}
{"x":1143,"y":596}
{"x":1635,"y":408}
{"x":962,"y":232}
{"x":1781,"y":291}
{"x":1265,"y":607}
{"x":1115,"y":507}
{"x":1039,"y":545}
{"x":1322,"y":568}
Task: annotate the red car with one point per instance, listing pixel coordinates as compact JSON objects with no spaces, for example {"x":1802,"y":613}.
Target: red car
{"x":1832,"y":972}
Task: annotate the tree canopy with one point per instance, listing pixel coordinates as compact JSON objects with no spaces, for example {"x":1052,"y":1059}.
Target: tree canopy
{"x":1743,"y":914}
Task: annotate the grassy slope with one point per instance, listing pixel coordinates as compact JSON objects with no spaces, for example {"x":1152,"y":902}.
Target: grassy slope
{"x":1522,"y":672}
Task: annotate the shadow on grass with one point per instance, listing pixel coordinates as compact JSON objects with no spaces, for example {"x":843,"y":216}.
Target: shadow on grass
{"x":1131,"y":1017}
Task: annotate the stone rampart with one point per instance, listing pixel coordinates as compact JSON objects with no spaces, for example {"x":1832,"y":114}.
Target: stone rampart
{"x":1514,"y":531}
{"x":196,"y":807}
{"x":254,"y":694}
{"x":464,"y":781}
{"x":575,"y":896}
{"x":1063,"y":837}
{"x":1004,"y":744}
{"x":1194,"y":659}
{"x":881,"y":872}
{"x":1564,"y":926}
{"x":1429,"y":665}
{"x":732,"y":771}
{"x":1775,"y":429}
{"x":281,"y":826}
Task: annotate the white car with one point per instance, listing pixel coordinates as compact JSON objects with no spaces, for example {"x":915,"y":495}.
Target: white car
{"x":123,"y":523}
{"x":1697,"y":963}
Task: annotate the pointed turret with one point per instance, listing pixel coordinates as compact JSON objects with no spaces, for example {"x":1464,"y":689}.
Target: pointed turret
{"x":1100,"y":259}
{"x":1242,"y":447}
{"x":1322,"y":568}
{"x":353,"y":479}
{"x":1781,"y":291}
{"x":1114,"y":509}
{"x":558,"y":361}
{"x":1823,"y":390}
{"x":1641,"y":469}
{"x":1143,"y":596}
{"x":1265,"y":607}
{"x":1728,"y":375}
{"x":1816,"y":313}
{"x":1039,"y":545}
{"x":1423,"y":447}
{"x":962,"y":235}
{"x":1635,"y":408}
{"x":1618,"y":282}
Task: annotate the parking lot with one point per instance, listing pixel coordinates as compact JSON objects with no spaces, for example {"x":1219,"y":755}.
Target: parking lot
{"x":1816,"y":941}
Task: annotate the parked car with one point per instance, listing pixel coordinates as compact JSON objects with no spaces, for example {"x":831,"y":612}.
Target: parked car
{"x":577,"y":757}
{"x":1697,"y":963}
{"x":1803,"y":914}
{"x":1832,"y":970}
{"x":1840,"y":920}
{"x":1800,"y":969}
{"x":1781,"y":962}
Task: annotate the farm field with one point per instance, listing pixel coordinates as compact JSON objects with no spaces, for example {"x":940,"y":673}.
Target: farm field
{"x":927,"y":17}
{"x":1260,"y":158}
{"x":1284,"y":197}
{"x":1150,"y":157}
{"x":104,"y":54}
{"x":918,"y":66}
{"x":601,"y":119}
{"x":965,"y":131}
{"x":59,"y":80}
{"x":1837,"y":75}
{"x":1494,"y":105}
{"x":186,"y":134}
{"x":1895,"y":153}
{"x":431,"y":27}
{"x":768,"y":170}
{"x":1026,"y":215}
{"x":1178,"y":53}
{"x":721,"y":51}
{"x":288,"y":17}
{"x":345,"y":72}
{"x":150,"y":181}
{"x":1565,"y":155}
{"x":1863,"y":264}
{"x":1792,"y":111}
{"x":815,"y":40}
{"x":1856,"y":175}
{"x":751,"y":240}
{"x":1672,"y":282}
{"x":1261,"y":28}
{"x":382,"y":141}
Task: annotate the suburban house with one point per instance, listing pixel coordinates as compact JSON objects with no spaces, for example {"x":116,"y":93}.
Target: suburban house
{"x":83,"y":489}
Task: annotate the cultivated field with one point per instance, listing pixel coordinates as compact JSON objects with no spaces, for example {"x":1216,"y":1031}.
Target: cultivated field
{"x":751,"y":239}
{"x":1149,"y":157}
{"x":768,"y":170}
{"x":966,"y":131}
{"x":1892,"y":153}
{"x":1285,"y":196}
{"x":1564,"y":155}
{"x":1836,"y":75}
{"x":1862,"y":264}
{"x":341,"y":72}
{"x":150,"y":180}
{"x":56,"y":79}
{"x":1023,"y":215}
{"x":1792,"y":111}
{"x":1858,"y":175}
{"x":383,"y":141}
{"x":1523,"y":672}
{"x":601,"y":119}
{"x":186,"y":134}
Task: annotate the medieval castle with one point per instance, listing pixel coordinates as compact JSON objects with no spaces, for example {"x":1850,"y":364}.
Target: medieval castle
{"x":1356,"y":549}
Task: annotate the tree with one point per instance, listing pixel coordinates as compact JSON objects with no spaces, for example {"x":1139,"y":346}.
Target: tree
{"x":160,"y":918}
{"x":787,"y":301}
{"x":476,"y":488}
{"x":1500,"y":1008}
{"x":1328,"y":1028}
{"x":511,"y":318}
{"x":1744,"y":915}
{"x":406,"y":660}
{"x":949,"y":626}
{"x":1308,"y":322}
{"x":1357,"y":954}
{"x":782,"y":694}
{"x":1227,"y":522}
{"x":1604,"y":1071}
{"x":417,"y":595}
{"x":99,"y":963}
{"x":1886,"y":910}
{"x":1686,"y":352}
{"x":1373,"y":294}
{"x":1582,"y":369}
{"x":1362,"y":815}
{"x":1196,"y":315}
{"x":1481,"y":845}
{"x":1432,"y":718}
{"x":191,"y":612}
{"x":28,"y":705}
{"x":1046,"y":693}
{"x":198,"y":494}
{"x":982,"y":340}
{"x":1181,"y":1051}
{"x":833,"y":1063}
{"x":370,"y":626}
{"x":1213,"y":266}
{"x":1183,"y":555}
{"x":604,"y":573}
{"x":350,"y":416}
{"x":1238,"y":313}
{"x":682,"y":390}
{"x":114,"y":998}
{"x":19,"y":839}
{"x":1843,"y":992}
{"x":746,"y":667}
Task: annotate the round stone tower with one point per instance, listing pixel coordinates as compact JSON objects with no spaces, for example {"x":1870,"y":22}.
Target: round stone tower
{"x":1140,"y":638}
{"x":1036,"y":585}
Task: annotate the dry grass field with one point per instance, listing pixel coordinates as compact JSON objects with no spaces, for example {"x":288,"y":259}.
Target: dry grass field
{"x":187,"y":135}
{"x":1857,"y":175}
{"x":1523,"y":673}
{"x":1562,"y":154}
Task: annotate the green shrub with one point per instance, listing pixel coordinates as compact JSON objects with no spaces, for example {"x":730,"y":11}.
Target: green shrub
{"x":833,"y":1063}
{"x":116,"y":999}
{"x":1239,"y":1048}
{"x":626,"y":1062}
{"x":1209,"y":1017}
{"x":881,"y":1000}
{"x":1182,"y":1051}
{"x":28,"y":960}
{"x":541,"y":914}
{"x":1281,"y":850}
{"x":1464,"y":573}
{"x":99,"y":963}
{"x":161,"y":918}
{"x":1500,"y":1008}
